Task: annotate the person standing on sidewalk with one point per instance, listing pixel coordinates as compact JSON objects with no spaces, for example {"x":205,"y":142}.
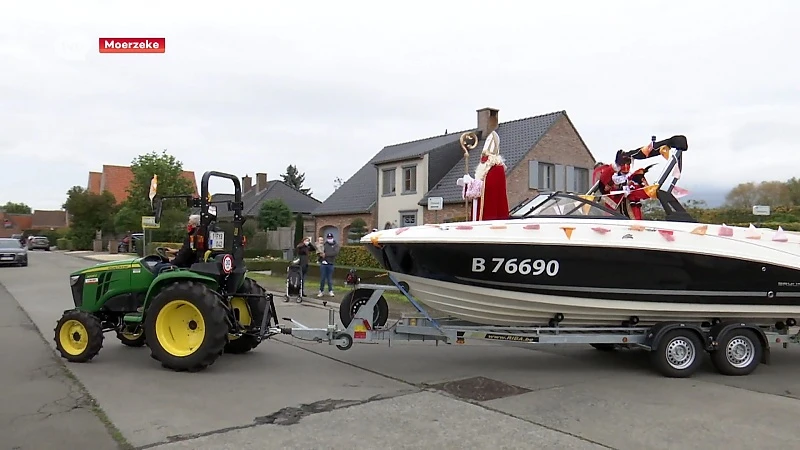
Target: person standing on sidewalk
{"x":304,"y":251}
{"x":330,"y":250}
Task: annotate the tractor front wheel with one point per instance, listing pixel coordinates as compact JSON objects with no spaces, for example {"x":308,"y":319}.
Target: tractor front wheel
{"x":79,"y":336}
{"x":186,"y":327}
{"x":249,"y":312}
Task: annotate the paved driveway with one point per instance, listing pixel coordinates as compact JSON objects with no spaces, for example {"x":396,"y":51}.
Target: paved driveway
{"x":291,"y":394}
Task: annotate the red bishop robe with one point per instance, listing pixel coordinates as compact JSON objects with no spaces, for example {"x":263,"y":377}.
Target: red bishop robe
{"x":494,"y":194}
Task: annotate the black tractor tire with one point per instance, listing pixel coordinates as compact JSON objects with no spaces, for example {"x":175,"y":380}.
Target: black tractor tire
{"x":257,"y":307}
{"x":132,"y":339}
{"x":357,"y":298}
{"x":191,"y":312}
{"x":78,"y":336}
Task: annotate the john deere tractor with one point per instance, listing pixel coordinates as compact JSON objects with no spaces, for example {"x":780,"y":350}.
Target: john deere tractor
{"x":188,"y":317}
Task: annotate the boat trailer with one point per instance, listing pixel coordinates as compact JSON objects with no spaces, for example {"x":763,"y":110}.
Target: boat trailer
{"x":676,"y":348}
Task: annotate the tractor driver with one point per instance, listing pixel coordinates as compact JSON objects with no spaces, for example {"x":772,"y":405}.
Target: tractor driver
{"x":186,"y":255}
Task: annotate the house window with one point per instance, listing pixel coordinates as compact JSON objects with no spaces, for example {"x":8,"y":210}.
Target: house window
{"x":389,"y":184}
{"x":547,"y":176}
{"x":408,"y":219}
{"x":581,"y":180}
{"x":409,"y":180}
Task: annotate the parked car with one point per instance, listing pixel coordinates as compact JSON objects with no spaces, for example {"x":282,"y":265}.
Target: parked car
{"x":11,"y":253}
{"x":134,"y":241}
{"x":39,"y":242}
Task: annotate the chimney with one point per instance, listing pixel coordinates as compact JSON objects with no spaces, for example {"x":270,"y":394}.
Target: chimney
{"x":247,"y":183}
{"x":261,"y":182}
{"x":487,"y":120}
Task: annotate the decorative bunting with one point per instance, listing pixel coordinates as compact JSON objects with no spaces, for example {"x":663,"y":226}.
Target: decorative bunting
{"x":725,"y":231}
{"x":375,"y":240}
{"x":752,"y":233}
{"x":679,"y":192}
{"x":667,"y":234}
{"x":533,"y":226}
{"x":676,"y":172}
{"x":401,"y":230}
{"x":646,"y":150}
{"x":463,"y":227}
{"x":780,"y":235}
{"x":601,"y":230}
{"x":568,"y":231}
{"x":701,"y":230}
{"x":651,"y":190}
{"x":498,"y":227}
{"x":664,"y":150}
{"x":637,"y":227}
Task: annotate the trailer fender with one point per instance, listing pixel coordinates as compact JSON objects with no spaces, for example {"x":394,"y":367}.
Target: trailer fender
{"x":724,"y":328}
{"x":657,"y":332}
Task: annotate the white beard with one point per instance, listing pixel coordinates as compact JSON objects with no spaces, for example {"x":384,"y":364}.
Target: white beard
{"x":483,"y":168}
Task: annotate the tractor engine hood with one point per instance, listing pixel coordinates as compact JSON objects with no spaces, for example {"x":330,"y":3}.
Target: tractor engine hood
{"x":110,"y":265}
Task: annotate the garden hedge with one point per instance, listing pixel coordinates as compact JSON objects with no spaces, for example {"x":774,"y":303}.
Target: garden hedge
{"x":279,"y":267}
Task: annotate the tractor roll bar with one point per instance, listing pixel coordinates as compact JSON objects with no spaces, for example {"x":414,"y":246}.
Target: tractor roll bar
{"x":236,"y":206}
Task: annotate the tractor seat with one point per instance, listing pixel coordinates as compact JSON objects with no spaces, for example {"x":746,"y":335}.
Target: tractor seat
{"x":150,"y":262}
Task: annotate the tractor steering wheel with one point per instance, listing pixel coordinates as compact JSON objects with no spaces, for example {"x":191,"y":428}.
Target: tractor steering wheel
{"x":162,"y":252}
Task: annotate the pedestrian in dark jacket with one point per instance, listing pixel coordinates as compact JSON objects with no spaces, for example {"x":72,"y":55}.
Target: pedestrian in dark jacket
{"x":304,"y":251}
{"x":330,"y":250}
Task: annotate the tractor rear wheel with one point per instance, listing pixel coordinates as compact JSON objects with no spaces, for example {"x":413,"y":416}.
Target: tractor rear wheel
{"x":250,"y":312}
{"x":186,"y":327}
{"x":79,"y":336}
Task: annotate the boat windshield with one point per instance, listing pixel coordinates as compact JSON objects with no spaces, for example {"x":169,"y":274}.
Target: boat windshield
{"x":559,"y":204}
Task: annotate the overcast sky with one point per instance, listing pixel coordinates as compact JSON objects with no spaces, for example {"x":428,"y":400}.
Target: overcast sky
{"x":325,"y":85}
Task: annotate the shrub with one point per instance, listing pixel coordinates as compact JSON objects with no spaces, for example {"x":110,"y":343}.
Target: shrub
{"x":279,"y":267}
{"x":64,"y":244}
{"x":787,"y":226}
{"x":356,"y":256}
{"x":257,"y":252}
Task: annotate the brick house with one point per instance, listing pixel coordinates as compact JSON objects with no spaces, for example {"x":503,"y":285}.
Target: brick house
{"x":392,"y":189}
{"x":254,"y":195}
{"x":117,"y":179}
{"x":40,"y":220}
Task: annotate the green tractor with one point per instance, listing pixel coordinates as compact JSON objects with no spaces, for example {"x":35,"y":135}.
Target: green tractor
{"x":188,"y":317}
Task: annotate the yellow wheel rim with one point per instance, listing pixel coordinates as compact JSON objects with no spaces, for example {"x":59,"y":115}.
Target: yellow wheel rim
{"x":245,"y":319}
{"x":131,"y":336}
{"x":180,"y":328}
{"x":73,"y":337}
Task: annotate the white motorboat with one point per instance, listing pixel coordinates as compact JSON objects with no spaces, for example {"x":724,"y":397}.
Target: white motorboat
{"x":571,"y":259}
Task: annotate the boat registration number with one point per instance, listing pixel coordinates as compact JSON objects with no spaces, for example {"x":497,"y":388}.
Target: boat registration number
{"x":512,"y":266}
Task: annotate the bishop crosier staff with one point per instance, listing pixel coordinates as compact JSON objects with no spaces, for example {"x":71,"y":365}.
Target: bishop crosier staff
{"x":488,"y":189}
{"x":469,"y":141}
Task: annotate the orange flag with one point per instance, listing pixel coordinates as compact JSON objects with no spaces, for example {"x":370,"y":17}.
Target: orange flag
{"x":701,"y":230}
{"x":637,"y":228}
{"x":651,"y":190}
{"x":664,"y":150}
{"x":568,"y":231}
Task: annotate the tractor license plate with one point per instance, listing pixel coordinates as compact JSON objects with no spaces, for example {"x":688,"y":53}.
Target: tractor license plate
{"x":217,"y":240}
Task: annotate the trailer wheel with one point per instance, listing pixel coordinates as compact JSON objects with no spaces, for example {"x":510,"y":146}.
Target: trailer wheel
{"x":354,"y":300}
{"x":738,"y":353}
{"x":679,"y":354}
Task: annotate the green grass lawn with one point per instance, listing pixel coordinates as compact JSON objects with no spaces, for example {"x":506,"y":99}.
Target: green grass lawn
{"x":277,"y":283}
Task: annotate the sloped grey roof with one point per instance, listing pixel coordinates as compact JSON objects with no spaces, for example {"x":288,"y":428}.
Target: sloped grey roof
{"x":276,"y":189}
{"x":359,"y":193}
{"x":516,"y":140}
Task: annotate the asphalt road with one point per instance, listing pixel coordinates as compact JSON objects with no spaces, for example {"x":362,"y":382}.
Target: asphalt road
{"x":292,"y":394}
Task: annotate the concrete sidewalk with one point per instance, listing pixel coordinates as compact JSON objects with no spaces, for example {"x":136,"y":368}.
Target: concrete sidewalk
{"x":41,"y":403}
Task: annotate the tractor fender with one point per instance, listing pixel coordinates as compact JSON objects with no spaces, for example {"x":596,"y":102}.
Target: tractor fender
{"x":166,"y":278}
{"x":657,"y":332}
{"x":723,"y":328}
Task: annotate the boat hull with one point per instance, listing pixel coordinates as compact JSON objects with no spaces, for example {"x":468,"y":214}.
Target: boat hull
{"x":490,"y":306}
{"x":528,"y":284}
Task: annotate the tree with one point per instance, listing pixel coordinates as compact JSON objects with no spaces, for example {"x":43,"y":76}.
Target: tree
{"x":358,"y":229}
{"x":298,"y":228}
{"x":170,"y":182}
{"x":89,"y":213}
{"x":273,"y":215}
{"x":770,"y":193}
{"x":295,"y":179}
{"x":16,"y":208}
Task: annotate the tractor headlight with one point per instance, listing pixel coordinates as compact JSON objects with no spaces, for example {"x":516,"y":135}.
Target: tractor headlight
{"x":74,"y":279}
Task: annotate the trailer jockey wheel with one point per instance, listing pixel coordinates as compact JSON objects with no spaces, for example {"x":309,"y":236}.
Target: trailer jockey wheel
{"x":348,"y":341}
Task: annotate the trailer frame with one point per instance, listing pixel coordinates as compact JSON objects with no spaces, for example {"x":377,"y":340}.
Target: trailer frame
{"x":677,"y":348}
